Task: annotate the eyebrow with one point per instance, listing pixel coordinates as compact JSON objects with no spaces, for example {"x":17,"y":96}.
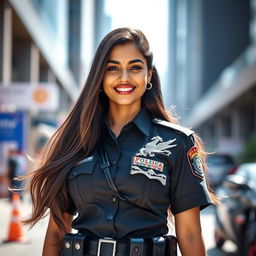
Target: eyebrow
{"x":130,"y":62}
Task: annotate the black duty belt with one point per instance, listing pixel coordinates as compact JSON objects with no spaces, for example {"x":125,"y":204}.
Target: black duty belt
{"x":82,"y":245}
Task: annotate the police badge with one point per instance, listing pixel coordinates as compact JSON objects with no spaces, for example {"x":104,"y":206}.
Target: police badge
{"x":195,"y":162}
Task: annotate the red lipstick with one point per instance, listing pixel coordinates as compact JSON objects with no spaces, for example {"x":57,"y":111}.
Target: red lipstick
{"x":124,"y":89}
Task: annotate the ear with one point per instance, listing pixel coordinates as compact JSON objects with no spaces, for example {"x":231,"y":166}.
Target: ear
{"x":150,"y":72}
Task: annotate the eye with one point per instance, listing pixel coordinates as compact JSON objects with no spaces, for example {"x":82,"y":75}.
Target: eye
{"x":136,"y":67}
{"x":112,"y":68}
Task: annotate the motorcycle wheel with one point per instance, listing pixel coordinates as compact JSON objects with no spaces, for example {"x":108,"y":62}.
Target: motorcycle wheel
{"x":219,"y":241}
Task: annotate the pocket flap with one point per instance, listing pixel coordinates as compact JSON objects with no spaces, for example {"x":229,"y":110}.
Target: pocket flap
{"x":85,"y":166}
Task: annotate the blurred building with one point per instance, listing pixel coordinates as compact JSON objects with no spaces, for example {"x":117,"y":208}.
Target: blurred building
{"x":45,"y":49}
{"x":213,"y":69}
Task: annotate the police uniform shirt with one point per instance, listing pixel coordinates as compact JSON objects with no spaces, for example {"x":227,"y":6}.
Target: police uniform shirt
{"x":154,"y":164}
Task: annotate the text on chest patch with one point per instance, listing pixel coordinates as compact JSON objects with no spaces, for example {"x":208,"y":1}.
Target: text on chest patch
{"x":148,"y":163}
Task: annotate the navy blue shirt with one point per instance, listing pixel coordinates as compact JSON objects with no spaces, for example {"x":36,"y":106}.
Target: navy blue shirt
{"x":154,"y":164}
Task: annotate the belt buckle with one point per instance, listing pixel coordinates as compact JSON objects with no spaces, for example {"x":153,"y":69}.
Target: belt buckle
{"x":107,"y":240}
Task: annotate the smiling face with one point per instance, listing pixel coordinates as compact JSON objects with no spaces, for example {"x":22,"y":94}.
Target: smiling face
{"x":126,"y":76}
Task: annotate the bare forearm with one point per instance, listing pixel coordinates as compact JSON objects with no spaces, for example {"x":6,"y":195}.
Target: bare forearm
{"x":53,"y":244}
{"x":192,"y":245}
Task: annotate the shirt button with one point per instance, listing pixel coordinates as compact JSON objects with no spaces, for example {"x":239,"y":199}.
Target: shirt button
{"x":113,"y":199}
{"x":110,"y":217}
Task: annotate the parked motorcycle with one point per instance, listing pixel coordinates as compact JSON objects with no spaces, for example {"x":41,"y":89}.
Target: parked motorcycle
{"x":236,"y":215}
{"x":219,"y":166}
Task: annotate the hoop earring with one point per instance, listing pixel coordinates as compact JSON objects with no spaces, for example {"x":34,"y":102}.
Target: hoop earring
{"x":149,"y":86}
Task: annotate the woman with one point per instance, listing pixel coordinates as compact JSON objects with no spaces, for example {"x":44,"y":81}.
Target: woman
{"x":154,"y":166}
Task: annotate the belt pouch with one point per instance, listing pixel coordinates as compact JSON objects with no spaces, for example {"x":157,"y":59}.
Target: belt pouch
{"x":158,"y":246}
{"x":136,"y":246}
{"x":171,"y":245}
{"x":79,"y":244}
{"x":68,"y":244}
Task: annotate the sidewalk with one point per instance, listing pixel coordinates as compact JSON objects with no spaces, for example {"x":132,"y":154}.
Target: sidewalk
{"x":35,"y":236}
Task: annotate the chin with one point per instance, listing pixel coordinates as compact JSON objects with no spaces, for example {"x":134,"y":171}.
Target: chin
{"x":130,"y":103}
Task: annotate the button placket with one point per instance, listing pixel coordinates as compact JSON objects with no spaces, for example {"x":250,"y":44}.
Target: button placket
{"x":112,"y":204}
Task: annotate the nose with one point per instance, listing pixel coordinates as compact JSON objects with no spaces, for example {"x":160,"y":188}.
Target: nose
{"x":124,"y":76}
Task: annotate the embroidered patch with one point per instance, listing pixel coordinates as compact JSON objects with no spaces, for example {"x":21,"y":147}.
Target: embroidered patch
{"x":150,"y":173}
{"x":148,"y":163}
{"x":195,"y":162}
{"x":157,"y":145}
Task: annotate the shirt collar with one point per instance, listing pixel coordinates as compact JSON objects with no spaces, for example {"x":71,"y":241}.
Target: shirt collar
{"x":142,"y":121}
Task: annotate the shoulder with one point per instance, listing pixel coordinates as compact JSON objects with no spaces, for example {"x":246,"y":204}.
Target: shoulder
{"x":174,"y":127}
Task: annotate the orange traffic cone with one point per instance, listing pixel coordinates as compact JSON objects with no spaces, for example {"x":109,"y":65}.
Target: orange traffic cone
{"x":16,"y":233}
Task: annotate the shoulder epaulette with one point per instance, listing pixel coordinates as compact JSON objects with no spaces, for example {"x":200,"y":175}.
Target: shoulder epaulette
{"x":177,"y":127}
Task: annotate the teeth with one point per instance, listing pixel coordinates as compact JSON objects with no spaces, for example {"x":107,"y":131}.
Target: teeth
{"x":124,"y":89}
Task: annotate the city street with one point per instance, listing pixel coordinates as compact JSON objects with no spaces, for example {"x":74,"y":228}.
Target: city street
{"x":35,"y":236}
{"x":130,"y":78}
{"x":207,"y":222}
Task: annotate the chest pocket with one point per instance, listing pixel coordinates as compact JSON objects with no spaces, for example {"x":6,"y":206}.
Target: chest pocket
{"x":80,"y":181}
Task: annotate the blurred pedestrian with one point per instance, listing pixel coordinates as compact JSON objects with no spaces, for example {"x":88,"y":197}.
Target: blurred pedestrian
{"x":121,"y":163}
{"x":16,"y":169}
{"x":11,"y":169}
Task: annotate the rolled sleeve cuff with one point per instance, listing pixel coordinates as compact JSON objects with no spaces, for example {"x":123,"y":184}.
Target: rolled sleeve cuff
{"x":190,"y":201}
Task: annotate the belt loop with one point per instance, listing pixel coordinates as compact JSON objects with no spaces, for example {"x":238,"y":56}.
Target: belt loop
{"x":79,"y":244}
{"x":136,"y":246}
{"x":158,"y":246}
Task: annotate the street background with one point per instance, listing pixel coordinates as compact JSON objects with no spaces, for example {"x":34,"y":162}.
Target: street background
{"x":35,"y":236}
{"x":204,"y":50}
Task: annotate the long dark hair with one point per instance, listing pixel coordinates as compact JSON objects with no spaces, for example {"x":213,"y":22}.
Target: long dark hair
{"x":80,"y":132}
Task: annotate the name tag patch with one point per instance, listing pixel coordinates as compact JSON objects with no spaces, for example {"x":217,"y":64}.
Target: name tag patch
{"x":149,"y":168}
{"x":195,"y":162}
{"x":148,"y":163}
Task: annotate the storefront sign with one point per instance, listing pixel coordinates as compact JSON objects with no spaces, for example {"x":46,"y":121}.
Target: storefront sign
{"x":26,"y":96}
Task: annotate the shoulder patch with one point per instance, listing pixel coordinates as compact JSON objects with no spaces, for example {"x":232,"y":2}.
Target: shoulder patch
{"x":195,"y":162}
{"x":177,"y":127}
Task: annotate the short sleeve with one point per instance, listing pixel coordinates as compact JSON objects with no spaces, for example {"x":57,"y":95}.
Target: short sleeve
{"x":70,"y":206}
{"x":188,"y":185}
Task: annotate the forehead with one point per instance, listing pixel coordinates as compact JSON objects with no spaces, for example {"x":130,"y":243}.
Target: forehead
{"x":126,"y":51}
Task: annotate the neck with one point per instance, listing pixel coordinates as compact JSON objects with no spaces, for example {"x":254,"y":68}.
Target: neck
{"x":119,"y":116}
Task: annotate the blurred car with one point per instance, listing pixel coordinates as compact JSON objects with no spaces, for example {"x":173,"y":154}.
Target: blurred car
{"x":219,"y":166}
